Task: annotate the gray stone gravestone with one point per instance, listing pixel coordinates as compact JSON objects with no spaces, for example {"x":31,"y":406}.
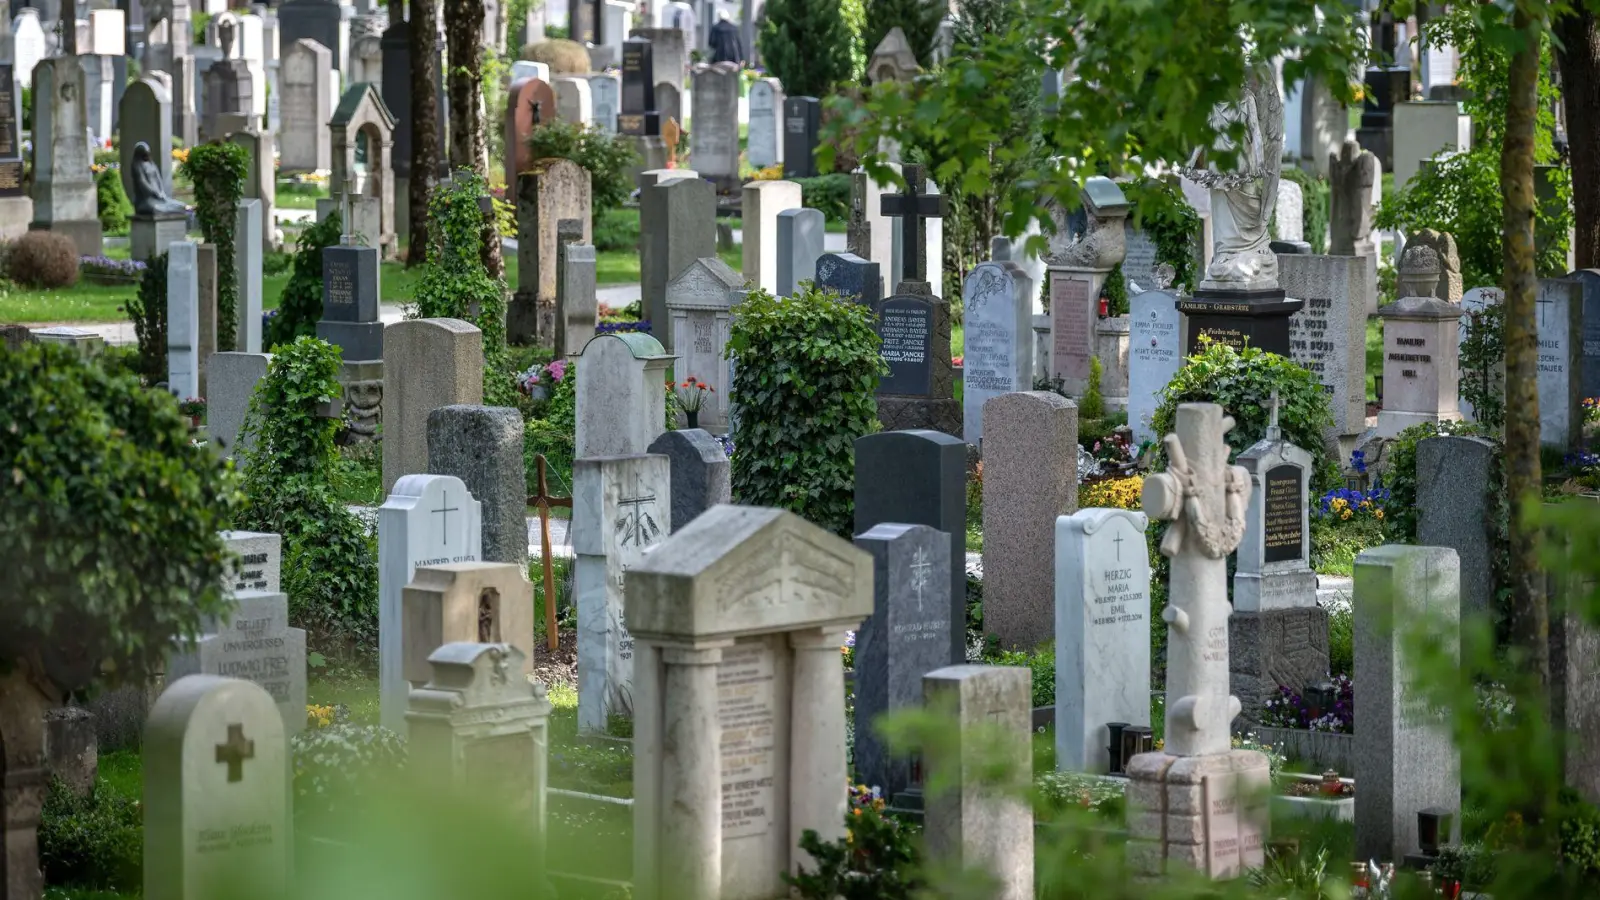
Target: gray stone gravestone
{"x":700,"y":303}
{"x":605,"y":94}
{"x":548,"y":192}
{"x":1421,"y":366}
{"x":216,"y":792}
{"x":63,"y":185}
{"x":482,"y":602}
{"x":621,"y":507}
{"x":428,"y":520}
{"x":1405,"y":760}
{"x":764,"y":137}
{"x":621,"y":396}
{"x":305,"y":107}
{"x":1328,"y":335}
{"x":699,"y":471}
{"x":427,"y":364}
{"x":1102,"y":613}
{"x":1454,"y":509}
{"x":997,"y":307}
{"x":350,"y":299}
{"x":231,"y":382}
{"x":577,"y":309}
{"x":678,"y":226}
{"x":1030,"y":469}
{"x":183,"y":319}
{"x":248,"y":242}
{"x":761,"y":203}
{"x":1155,"y":354}
{"x":800,"y":239}
{"x":906,"y":637}
{"x":253,"y":642}
{"x":715,"y":138}
{"x":1560,"y":318}
{"x":482,"y":446}
{"x":255,"y":560}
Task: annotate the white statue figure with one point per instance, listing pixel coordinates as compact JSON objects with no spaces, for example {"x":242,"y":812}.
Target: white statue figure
{"x":1205,"y":499}
{"x":1243,"y":201}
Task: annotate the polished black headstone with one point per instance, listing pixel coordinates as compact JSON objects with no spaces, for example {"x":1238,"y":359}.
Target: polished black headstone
{"x":1236,"y":318}
{"x":854,"y":278}
{"x":802,"y":125}
{"x":905,"y":324}
{"x":350,"y":302}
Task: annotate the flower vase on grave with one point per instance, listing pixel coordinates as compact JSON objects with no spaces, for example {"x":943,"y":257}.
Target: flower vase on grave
{"x":692,"y":418}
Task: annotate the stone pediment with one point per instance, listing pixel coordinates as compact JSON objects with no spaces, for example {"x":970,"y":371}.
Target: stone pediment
{"x":362,"y":104}
{"x":746,"y":570}
{"x":706,"y":283}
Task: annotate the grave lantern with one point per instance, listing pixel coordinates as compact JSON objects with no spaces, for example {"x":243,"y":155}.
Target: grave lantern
{"x":1433,"y":829}
{"x":1114,"y":753}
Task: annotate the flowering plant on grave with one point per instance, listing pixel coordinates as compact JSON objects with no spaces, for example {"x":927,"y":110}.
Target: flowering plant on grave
{"x":849,"y":649}
{"x":1112,"y":493}
{"x":1290,"y":710}
{"x":542,"y":375}
{"x":1275,"y":759}
{"x":691,"y":393}
{"x":334,"y":767}
{"x":1344,"y":504}
{"x":1591,"y":410}
{"x":193,"y":406}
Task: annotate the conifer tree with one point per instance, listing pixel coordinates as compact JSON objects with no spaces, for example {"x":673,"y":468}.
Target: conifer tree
{"x":919,"y":19}
{"x":806,"y":44}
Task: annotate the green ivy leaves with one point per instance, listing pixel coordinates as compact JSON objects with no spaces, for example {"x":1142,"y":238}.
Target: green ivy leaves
{"x":218,"y":170}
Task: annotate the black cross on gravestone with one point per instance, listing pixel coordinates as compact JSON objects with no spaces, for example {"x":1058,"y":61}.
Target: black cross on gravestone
{"x":444,"y":512}
{"x":234,"y":751}
{"x":912,"y":206}
{"x":1544,"y":302}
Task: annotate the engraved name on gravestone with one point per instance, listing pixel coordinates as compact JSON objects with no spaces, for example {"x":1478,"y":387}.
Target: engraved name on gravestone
{"x":905,"y":323}
{"x":1153,"y":356}
{"x":746,"y":714}
{"x":253,"y":642}
{"x":1138,"y":266}
{"x":10,"y":133}
{"x":855,"y":279}
{"x":1285,"y":507}
{"x":998,"y":306}
{"x":254,"y":562}
{"x":1072,"y":341}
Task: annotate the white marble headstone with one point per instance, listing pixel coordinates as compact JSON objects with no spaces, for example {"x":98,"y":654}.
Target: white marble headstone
{"x":605,"y":98}
{"x":427,"y":520}
{"x":1155,"y":354}
{"x":255,"y":561}
{"x":1559,"y":373}
{"x":998,"y":310}
{"x":183,"y":319}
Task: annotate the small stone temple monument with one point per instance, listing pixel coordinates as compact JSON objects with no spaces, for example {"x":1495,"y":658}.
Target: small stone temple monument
{"x":1198,"y":803}
{"x":738,"y":700}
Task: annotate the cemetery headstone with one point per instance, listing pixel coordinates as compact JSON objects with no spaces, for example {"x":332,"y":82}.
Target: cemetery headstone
{"x":253,"y":642}
{"x":699,"y":472}
{"x":1154,"y":356}
{"x":1029,"y":478}
{"x":1139,"y":263}
{"x":761,"y":203}
{"x":574,"y":102}
{"x":1421,"y":370}
{"x":1197,"y":802}
{"x":16,"y":210}
{"x":428,"y":364}
{"x":700,"y":305}
{"x":605,"y":97}
{"x":64,"y":197}
{"x":639,"y":116}
{"x":305,"y":108}
{"x":1560,"y":329}
{"x":477,"y":602}
{"x":715,"y":138}
{"x":906,"y":637}
{"x":802,"y":123}
{"x":1328,"y":335}
{"x":362,"y":133}
{"x":482,"y":446}
{"x":1454,"y":475}
{"x":739,"y":699}
{"x":206,"y":336}
{"x":1352,"y":174}
{"x":764,"y":141}
{"x":231,"y":380}
{"x":1102,"y":612}
{"x":247,"y":260}
{"x":260,"y":179}
{"x":428,"y":520}
{"x":322,"y":21}
{"x":621,"y":507}
{"x":919,"y":478}
{"x":548,"y":191}
{"x":852,"y":277}
{"x":216,"y":791}
{"x":871,"y":234}
{"x":621,"y":401}
{"x":800,"y":239}
{"x":678,"y":226}
{"x":1405,"y":760}
{"x":577,"y":309}
{"x":183,"y":319}
{"x":350,"y":312}
{"x":255,"y":561}
{"x":983,"y":825}
{"x":997,"y":305}
{"x":1079,"y":261}
{"x":1590,"y":349}
{"x":530,"y":103}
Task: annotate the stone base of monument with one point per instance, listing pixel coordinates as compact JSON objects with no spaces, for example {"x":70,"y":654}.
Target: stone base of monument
{"x":909,"y":413}
{"x":363,"y":398}
{"x":522,"y":321}
{"x":15,"y":214}
{"x":652,"y":152}
{"x":151,"y":235}
{"x":1259,"y":318}
{"x":1286,"y":590}
{"x":1392,"y":422}
{"x":1278,"y":647}
{"x":86,"y":234}
{"x":1209,"y":813}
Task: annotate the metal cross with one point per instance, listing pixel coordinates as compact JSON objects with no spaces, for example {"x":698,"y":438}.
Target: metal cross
{"x":912,"y":206}
{"x":234,"y":751}
{"x":444,"y":515}
{"x":920,"y":564}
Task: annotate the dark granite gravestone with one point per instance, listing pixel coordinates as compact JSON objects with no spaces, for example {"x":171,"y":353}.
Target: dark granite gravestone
{"x":919,"y":478}
{"x":700,"y":476}
{"x":320,"y":20}
{"x":906,"y":637}
{"x":1235,"y":318}
{"x":395,"y":46}
{"x":905,"y":323}
{"x":583,"y":21}
{"x":851,"y":276}
{"x":10,"y":133}
{"x":482,"y":446}
{"x":639,"y":116}
{"x":1283,"y":497}
{"x":350,"y":302}
{"x":1453,"y":478}
{"x":1589,"y":350}
{"x":802,"y":120}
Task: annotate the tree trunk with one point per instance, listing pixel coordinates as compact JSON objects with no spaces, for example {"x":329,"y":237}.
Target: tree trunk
{"x":1530,"y":620}
{"x":463,"y":28}
{"x":424,"y":122}
{"x":1579,"y":58}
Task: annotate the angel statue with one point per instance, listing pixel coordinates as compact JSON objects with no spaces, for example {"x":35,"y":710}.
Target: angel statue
{"x":1243,"y":201}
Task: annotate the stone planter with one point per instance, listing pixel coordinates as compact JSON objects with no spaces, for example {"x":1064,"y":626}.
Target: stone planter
{"x":1321,"y":748}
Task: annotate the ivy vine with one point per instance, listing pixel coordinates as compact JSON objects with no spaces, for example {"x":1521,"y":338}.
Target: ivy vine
{"x":1172,"y":224}
{"x":455,"y":285}
{"x":1483,"y":355}
{"x":218,"y":171}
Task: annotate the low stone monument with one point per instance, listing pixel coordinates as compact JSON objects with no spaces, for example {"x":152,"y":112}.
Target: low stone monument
{"x":1198,"y":803}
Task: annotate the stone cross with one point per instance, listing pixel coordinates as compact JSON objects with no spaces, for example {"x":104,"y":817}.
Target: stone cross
{"x":912,"y":205}
{"x":234,"y":751}
{"x":347,"y":237}
{"x":1205,"y":499}
{"x":1274,"y":433}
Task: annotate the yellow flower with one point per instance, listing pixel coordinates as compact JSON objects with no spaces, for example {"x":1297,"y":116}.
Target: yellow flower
{"x":1378,"y":513}
{"x":1345,"y":516}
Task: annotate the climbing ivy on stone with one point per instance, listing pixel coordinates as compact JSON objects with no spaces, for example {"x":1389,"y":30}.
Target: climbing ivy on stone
{"x":218,"y":170}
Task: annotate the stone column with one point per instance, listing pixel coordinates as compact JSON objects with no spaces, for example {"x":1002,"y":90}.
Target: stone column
{"x":690,"y":782}
{"x":817,"y":767}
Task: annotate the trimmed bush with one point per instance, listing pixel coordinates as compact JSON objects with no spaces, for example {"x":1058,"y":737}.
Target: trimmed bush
{"x":94,"y":842}
{"x":301,"y":304}
{"x":564,"y":57}
{"x":806,"y":374}
{"x":43,"y":259}
{"x":112,"y":202}
{"x":148,"y":310}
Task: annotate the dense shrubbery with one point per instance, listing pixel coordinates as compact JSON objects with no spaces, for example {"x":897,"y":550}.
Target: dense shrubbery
{"x":43,"y":259}
{"x":828,"y":193}
{"x":329,"y":563}
{"x":806,"y":375}
{"x":108,"y":520}
{"x":94,"y":842}
{"x":112,"y":202}
{"x":218,"y":170}
{"x":148,"y":312}
{"x":1242,"y":381}
{"x":608,"y":159}
{"x":301,"y":304}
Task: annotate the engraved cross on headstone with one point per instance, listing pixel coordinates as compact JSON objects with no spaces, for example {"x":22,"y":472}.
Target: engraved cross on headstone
{"x":635,"y":522}
{"x":1118,"y":541}
{"x":920,"y":567}
{"x":1544,"y":302}
{"x":234,"y":751}
{"x":444,"y":511}
{"x":912,"y":206}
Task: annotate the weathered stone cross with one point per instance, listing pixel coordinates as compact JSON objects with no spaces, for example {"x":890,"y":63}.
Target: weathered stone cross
{"x":234,"y":751}
{"x":912,"y":206}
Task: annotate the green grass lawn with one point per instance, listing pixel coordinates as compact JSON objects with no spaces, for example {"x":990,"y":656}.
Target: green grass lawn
{"x":622,"y":266}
